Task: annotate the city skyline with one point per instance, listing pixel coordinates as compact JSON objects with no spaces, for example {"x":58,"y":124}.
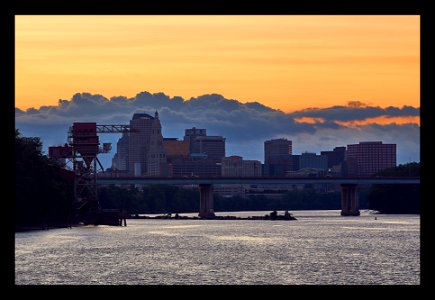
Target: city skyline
{"x":202,"y":155}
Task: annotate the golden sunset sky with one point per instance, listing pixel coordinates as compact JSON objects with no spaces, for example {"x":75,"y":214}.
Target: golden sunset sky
{"x":285,"y":62}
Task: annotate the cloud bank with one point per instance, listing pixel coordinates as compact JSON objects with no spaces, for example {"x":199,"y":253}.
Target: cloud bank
{"x":244,"y":125}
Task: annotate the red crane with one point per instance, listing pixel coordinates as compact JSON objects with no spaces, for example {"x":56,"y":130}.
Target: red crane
{"x":82,"y":149}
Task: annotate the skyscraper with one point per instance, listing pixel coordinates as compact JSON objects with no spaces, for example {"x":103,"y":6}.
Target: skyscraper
{"x":201,"y":143}
{"x":141,"y":150}
{"x":368,"y":158}
{"x":156,"y":156}
{"x":277,"y":157}
{"x":190,"y":136}
{"x":276,"y":147}
{"x":120,"y":160}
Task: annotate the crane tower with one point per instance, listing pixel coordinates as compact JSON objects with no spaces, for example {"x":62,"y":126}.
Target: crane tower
{"x":82,"y":149}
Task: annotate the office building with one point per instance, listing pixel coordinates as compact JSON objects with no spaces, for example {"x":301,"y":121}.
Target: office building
{"x":277,"y":147}
{"x":120,"y":160}
{"x":140,"y":152}
{"x":201,"y":143}
{"x":277,"y":157}
{"x":368,"y":158}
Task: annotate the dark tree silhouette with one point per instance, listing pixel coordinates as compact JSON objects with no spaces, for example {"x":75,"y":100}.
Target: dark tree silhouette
{"x":43,"y":194}
{"x":399,"y":199}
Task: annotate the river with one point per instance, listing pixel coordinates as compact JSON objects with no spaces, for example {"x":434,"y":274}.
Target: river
{"x":320,"y":248}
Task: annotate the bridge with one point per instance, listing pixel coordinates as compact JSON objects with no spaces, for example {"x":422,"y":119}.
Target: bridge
{"x":349,"y":190}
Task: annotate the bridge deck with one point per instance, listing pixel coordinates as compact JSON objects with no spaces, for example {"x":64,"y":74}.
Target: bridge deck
{"x":287,"y":180}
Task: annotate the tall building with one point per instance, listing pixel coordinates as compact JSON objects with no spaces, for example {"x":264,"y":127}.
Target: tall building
{"x":190,"y":136}
{"x":120,"y":160}
{"x":236,"y":166}
{"x":277,"y":147}
{"x":368,"y":158}
{"x":156,"y":156}
{"x":201,"y":143}
{"x":277,"y":157}
{"x":141,"y":152}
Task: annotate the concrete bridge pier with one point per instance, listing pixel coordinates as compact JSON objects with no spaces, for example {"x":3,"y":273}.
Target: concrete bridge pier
{"x":206,"y":200}
{"x":349,"y":200}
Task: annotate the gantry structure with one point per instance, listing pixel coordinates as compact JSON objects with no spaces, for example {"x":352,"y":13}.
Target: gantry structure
{"x":82,"y":150}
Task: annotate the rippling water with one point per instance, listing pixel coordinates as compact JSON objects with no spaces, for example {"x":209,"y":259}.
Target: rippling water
{"x":321,"y":247}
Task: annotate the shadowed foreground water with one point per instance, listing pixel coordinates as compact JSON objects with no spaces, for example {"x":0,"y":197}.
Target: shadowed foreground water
{"x":321,"y":247}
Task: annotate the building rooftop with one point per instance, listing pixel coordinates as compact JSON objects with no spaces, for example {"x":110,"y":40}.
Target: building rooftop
{"x":371,"y":142}
{"x":306,"y":153}
{"x":210,"y":137}
{"x":142,"y":116}
{"x":278,"y":140}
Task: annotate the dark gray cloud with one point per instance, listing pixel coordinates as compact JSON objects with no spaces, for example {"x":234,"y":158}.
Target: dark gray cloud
{"x":245,"y":126}
{"x":356,"y":111}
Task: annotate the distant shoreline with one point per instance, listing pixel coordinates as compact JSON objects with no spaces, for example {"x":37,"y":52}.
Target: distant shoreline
{"x":270,"y":217}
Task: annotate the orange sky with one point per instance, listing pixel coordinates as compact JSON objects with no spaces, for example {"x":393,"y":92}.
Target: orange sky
{"x":285,"y":62}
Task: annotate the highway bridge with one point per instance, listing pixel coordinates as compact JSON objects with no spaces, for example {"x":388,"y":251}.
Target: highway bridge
{"x":349,"y":190}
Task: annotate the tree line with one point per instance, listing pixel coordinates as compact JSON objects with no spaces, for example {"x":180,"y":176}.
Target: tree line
{"x":43,"y":197}
{"x":155,"y":199}
{"x":397,"y":199}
